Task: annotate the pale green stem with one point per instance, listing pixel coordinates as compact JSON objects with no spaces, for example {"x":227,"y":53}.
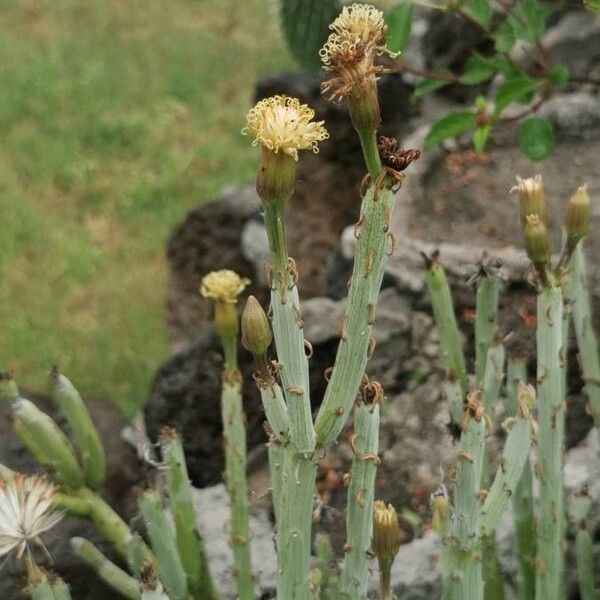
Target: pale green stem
{"x":82,"y":427}
{"x":359,"y":510}
{"x":486,"y":313}
{"x":551,"y":417}
{"x":162,"y":536}
{"x":445,"y":319}
{"x":353,"y":351}
{"x":368,"y":143}
{"x":107,"y":571}
{"x":579,"y":507}
{"x":288,"y":333}
{"x":276,"y":411}
{"x":577,"y":293}
{"x":522,"y":498}
{"x":294,"y":517}
{"x":189,"y":542}
{"x":234,"y":435}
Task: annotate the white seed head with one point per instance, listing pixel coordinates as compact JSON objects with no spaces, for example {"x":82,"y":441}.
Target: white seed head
{"x":25,"y":512}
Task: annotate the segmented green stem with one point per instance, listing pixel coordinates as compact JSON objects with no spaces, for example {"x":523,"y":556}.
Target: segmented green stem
{"x":445,"y":319}
{"x":359,"y":511}
{"x":486,"y":313}
{"x":584,"y":547}
{"x":551,"y":416}
{"x":82,"y":427}
{"x":522,"y":498}
{"x":276,"y":411}
{"x":578,"y":293}
{"x":162,"y":536}
{"x":455,"y":398}
{"x":106,"y":570}
{"x":294,"y":505}
{"x":368,"y":143}
{"x":189,"y":542}
{"x":234,"y":436}
{"x":371,"y":254}
{"x":464,"y":581}
{"x":288,"y":333}
{"x":46,"y":590}
{"x":46,"y":442}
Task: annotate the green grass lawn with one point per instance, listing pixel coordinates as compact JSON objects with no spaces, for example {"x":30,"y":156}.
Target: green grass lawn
{"x":116,"y":117}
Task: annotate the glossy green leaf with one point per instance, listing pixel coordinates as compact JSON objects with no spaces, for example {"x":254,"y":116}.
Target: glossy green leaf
{"x":426,"y":86}
{"x":399,"y":23}
{"x":536,"y":138}
{"x":450,"y":126}
{"x":518,"y":89}
{"x":559,"y":75}
{"x":477,"y":70}
{"x":479,"y":10}
{"x":530,"y":20}
{"x":505,"y":37}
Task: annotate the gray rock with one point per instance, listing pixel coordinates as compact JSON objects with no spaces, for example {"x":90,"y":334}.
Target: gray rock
{"x":322,"y":319}
{"x":212,"y":510}
{"x":575,"y":116}
{"x":575,"y":42}
{"x":254,"y":246}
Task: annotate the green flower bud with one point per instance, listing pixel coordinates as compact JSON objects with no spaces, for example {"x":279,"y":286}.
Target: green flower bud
{"x":578,"y":214}
{"x":256,"y":330}
{"x":537,"y":243}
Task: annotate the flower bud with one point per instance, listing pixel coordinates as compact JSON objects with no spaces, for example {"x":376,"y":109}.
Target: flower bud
{"x":441,"y":513}
{"x":387,"y":536}
{"x":532,"y":199}
{"x":578,"y":214}
{"x":256,"y":330}
{"x":537,"y":244}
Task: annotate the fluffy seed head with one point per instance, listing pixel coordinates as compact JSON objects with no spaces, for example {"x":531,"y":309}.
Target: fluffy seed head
{"x":387,"y":536}
{"x":223,"y":285}
{"x":283,"y":124}
{"x":25,"y":512}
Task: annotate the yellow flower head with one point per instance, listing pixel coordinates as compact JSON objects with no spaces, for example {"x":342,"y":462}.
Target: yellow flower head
{"x":358,"y":30}
{"x":281,"y":123}
{"x":223,"y":285}
{"x":387,"y":536}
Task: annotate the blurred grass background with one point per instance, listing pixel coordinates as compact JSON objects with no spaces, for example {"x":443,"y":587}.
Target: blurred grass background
{"x":116,"y":117}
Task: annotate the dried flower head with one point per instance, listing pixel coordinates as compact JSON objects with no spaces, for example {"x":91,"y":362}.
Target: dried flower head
{"x":281,"y":123}
{"x":387,"y":536}
{"x":223,"y":285}
{"x":25,"y":512}
{"x":349,"y":56}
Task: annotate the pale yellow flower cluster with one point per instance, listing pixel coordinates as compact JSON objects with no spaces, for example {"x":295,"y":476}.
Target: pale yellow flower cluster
{"x":359,"y":30}
{"x":283,"y":124}
{"x":223,"y":285}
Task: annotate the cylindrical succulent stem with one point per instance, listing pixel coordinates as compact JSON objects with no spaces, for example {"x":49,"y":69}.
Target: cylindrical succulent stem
{"x":522,"y":498}
{"x":584,"y":546}
{"x":47,"y":442}
{"x":108,"y":523}
{"x":107,"y":571}
{"x":551,"y":416}
{"x":294,"y":506}
{"x":368,"y":142}
{"x":82,"y":427}
{"x":359,"y":510}
{"x":371,"y":254}
{"x":577,"y":293}
{"x":486,"y":313}
{"x":189,"y":543}
{"x":288,"y":332}
{"x":445,"y":319}
{"x":160,"y":531}
{"x":234,"y":437}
